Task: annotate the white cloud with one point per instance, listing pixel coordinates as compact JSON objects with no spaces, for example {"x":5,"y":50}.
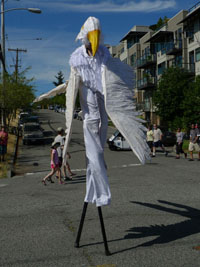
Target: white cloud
{"x":109,"y":6}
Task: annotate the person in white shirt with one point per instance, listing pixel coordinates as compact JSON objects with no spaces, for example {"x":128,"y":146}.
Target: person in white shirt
{"x":157,"y":140}
{"x":61,"y":139}
{"x":150,"y":138}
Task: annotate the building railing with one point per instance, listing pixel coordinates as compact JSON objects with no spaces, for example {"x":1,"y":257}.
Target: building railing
{"x":144,"y":106}
{"x":171,"y":46}
{"x":146,"y":59}
{"x":193,"y":7}
{"x":146,"y":82}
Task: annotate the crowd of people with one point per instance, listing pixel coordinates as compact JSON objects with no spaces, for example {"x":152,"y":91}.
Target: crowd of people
{"x":155,"y":135}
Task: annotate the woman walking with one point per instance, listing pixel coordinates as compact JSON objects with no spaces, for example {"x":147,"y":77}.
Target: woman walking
{"x":54,"y":165}
{"x":179,"y":144}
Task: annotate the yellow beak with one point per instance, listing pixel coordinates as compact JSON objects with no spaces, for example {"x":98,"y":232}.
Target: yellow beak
{"x":93,"y":37}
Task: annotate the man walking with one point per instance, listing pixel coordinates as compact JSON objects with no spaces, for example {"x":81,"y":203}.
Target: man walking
{"x":194,"y":145}
{"x":157,"y":140}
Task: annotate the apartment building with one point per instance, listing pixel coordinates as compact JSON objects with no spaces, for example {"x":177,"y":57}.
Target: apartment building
{"x":177,"y":43}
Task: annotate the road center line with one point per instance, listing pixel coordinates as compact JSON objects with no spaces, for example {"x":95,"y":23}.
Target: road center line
{"x":113,"y":167}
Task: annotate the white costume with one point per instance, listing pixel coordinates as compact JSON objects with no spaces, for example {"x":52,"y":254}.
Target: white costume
{"x":106,"y":86}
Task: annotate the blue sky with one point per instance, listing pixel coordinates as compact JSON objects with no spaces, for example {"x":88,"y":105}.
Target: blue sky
{"x":59,"y":24}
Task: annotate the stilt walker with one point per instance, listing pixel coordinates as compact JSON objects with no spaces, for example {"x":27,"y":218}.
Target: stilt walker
{"x":105,"y":86}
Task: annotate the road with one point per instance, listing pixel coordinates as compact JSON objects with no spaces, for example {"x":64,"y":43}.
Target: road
{"x":153,"y":220}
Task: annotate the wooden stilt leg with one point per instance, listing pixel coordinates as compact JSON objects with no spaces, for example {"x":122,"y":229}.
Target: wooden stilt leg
{"x":107,"y":252}
{"x":81,"y":225}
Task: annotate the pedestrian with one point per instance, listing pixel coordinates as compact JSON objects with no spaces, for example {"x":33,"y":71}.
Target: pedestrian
{"x":194,"y":142}
{"x":157,"y":140}
{"x":60,"y":139}
{"x":3,"y":143}
{"x":150,"y":138}
{"x":54,"y":165}
{"x":63,"y":166}
{"x":179,"y":143}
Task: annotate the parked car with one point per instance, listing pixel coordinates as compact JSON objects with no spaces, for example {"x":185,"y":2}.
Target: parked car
{"x":118,"y":142}
{"x":22,"y":117}
{"x":80,"y":115}
{"x":169,"y":138}
{"x":76,"y":113}
{"x":32,"y":133}
{"x":33,"y":119}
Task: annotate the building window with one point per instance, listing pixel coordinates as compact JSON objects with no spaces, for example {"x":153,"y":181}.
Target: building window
{"x":197,"y":54}
{"x":132,"y":41}
{"x":133,"y":59}
{"x":161,"y":68}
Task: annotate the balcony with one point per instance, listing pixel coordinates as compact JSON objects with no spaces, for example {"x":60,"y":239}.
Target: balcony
{"x":144,"y":106}
{"x":146,"y":83}
{"x":146,"y":61}
{"x":172,"y":49}
{"x":190,"y":67}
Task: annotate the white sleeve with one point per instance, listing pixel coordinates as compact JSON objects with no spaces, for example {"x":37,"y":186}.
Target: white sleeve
{"x":71,"y":93}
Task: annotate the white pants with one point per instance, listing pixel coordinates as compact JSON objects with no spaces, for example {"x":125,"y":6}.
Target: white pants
{"x":95,"y":131}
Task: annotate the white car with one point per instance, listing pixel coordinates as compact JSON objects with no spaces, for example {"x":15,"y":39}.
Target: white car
{"x":118,"y":142}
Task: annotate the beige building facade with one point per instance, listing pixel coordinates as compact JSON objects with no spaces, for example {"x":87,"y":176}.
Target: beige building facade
{"x":149,"y":53}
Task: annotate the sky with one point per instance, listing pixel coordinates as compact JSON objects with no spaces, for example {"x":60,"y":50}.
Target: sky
{"x":49,"y":37}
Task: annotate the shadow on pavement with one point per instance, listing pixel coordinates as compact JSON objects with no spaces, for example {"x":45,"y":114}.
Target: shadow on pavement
{"x":167,"y":233}
{"x":163,"y":233}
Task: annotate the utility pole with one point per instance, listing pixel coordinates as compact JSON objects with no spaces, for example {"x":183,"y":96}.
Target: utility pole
{"x":17,"y":50}
{"x":2,"y":65}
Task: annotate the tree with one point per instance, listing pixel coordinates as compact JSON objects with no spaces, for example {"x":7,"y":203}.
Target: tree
{"x":161,"y":22}
{"x":60,"y":78}
{"x":169,"y":98}
{"x":191,"y":103}
{"x":17,"y":94}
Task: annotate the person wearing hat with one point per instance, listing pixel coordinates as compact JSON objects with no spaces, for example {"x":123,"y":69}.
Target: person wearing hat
{"x":54,"y":164}
{"x":61,"y":140}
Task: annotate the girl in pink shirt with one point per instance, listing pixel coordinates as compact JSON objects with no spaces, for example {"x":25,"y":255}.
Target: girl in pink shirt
{"x":54,"y":164}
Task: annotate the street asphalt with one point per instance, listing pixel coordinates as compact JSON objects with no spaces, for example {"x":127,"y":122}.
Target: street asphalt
{"x":153,"y":220}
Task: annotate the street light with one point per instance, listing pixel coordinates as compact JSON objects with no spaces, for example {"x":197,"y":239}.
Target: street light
{"x":30,"y":9}
{"x":33,"y":10}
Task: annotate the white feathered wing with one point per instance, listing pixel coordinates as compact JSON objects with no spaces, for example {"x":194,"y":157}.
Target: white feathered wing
{"x":121,"y":108}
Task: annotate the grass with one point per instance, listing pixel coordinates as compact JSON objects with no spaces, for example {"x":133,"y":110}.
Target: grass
{"x":4,"y":166}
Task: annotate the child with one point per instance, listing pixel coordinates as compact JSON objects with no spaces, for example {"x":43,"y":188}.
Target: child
{"x":71,"y":174}
{"x":54,"y":164}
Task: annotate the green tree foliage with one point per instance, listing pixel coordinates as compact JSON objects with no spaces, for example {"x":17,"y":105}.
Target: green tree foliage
{"x":161,"y":22}
{"x":16,"y":94}
{"x":60,"y":78}
{"x":171,"y":96}
{"x":191,"y":103}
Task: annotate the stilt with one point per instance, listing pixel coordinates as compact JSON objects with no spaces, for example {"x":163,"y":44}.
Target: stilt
{"x":81,"y":225}
{"x":107,"y":252}
{"x":76,"y":245}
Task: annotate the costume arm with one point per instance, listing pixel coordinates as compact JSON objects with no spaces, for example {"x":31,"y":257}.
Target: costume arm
{"x":56,"y":91}
{"x":118,"y":90}
{"x":71,"y":94}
